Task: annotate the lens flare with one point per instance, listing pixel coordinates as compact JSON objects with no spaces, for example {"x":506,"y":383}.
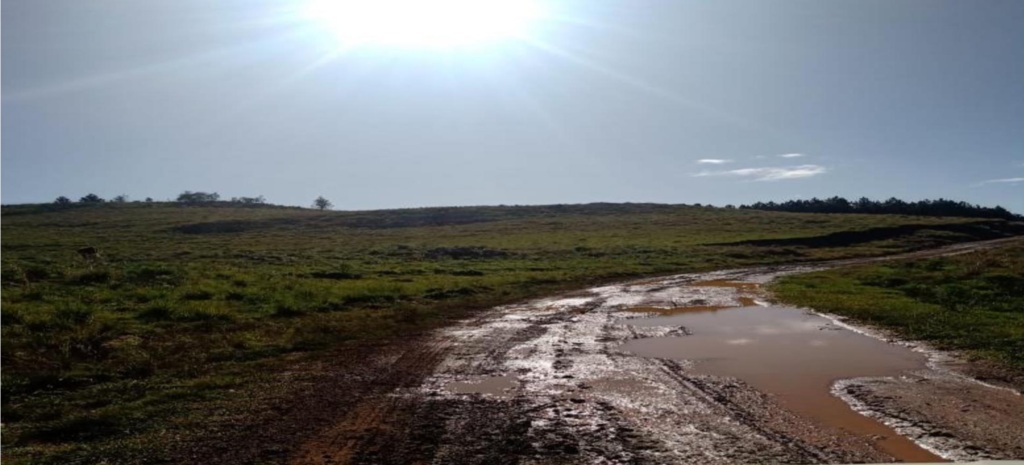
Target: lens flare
{"x":424,"y":23}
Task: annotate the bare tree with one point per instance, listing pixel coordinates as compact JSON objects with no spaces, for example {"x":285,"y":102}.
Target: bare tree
{"x":322,"y":204}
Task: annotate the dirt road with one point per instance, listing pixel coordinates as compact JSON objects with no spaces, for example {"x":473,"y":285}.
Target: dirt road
{"x":554,"y":381}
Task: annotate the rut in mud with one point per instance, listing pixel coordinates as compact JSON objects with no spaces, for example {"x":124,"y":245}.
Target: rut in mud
{"x":566,"y":380}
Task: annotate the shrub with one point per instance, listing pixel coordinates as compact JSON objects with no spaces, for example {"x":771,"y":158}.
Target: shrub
{"x":335,"y":275}
{"x":198,"y":197}
{"x":72,"y":315}
{"x":287,"y":311}
{"x":91,"y":277}
{"x":157,"y":312}
{"x":91,"y":198}
{"x":199,"y":294}
{"x":150,"y":275}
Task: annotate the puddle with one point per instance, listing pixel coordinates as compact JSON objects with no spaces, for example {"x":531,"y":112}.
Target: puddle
{"x":792,"y":355}
{"x":677,"y":310}
{"x":497,"y":386}
{"x":747,"y":302}
{"x":667,"y":311}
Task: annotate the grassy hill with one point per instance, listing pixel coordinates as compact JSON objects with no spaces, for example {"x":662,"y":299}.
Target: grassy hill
{"x":185,"y":303}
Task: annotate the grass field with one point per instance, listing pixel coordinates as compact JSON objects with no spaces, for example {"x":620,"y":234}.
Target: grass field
{"x":189,"y":303}
{"x":972,"y":302}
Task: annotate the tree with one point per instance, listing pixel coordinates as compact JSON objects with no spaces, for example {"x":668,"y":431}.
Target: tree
{"x":91,"y":198}
{"x":198,"y":197}
{"x":260,"y":200}
{"x":322,"y":204}
{"x":62,"y":201}
{"x":892,"y":206}
{"x":120,"y":198}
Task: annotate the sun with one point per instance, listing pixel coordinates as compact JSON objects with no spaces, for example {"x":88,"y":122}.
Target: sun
{"x":424,"y":23}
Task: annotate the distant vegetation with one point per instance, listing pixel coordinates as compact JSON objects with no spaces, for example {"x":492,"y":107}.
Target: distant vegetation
{"x":894,"y":206}
{"x":972,"y":302}
{"x":864,"y":205}
{"x":322,"y":204}
{"x":259,"y":200}
{"x":198,"y":197}
{"x":187,"y":198}
{"x":90,"y":198}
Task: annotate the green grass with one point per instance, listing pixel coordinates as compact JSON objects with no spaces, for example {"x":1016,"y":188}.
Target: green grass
{"x":973,"y":302}
{"x":104,"y":359}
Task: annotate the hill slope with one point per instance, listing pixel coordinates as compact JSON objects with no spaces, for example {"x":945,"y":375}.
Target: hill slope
{"x":187,"y":303}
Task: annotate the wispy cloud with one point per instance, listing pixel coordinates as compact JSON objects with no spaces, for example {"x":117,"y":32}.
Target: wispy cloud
{"x":770,"y":173}
{"x":791,"y":155}
{"x":713,"y":161}
{"x":1002,"y":181}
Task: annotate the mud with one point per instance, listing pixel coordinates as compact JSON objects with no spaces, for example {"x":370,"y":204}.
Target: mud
{"x":497,"y":386}
{"x":554,"y":381}
{"x":967,"y":421}
{"x":583,"y":389}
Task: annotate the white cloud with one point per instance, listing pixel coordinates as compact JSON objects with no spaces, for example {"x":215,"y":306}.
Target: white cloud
{"x":1003,"y":181}
{"x":791,"y":155}
{"x":713,"y":161}
{"x":770,"y":174}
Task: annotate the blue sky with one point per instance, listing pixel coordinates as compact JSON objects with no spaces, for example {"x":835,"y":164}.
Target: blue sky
{"x":646,"y":101}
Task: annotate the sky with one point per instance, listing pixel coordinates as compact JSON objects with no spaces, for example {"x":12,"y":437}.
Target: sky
{"x":669,"y":101}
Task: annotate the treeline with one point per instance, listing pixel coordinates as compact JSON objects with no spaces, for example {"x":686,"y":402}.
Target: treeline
{"x":893,"y":206}
{"x":187,"y":198}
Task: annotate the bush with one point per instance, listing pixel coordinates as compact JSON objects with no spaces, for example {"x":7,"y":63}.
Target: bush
{"x":198,"y":197}
{"x":156,"y":313}
{"x":71,"y":316}
{"x":287,"y":311}
{"x":91,"y":198}
{"x":335,"y":275}
{"x":91,"y":277}
{"x":200,"y":294}
{"x":150,"y":275}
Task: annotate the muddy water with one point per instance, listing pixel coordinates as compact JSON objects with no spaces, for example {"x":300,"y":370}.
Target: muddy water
{"x":791,"y":354}
{"x":744,"y":302}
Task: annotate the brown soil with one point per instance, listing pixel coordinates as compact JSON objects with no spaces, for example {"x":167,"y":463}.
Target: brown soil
{"x":969,"y":419}
{"x":312,"y":399}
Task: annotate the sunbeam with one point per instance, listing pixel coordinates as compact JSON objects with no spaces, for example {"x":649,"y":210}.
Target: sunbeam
{"x":651,"y":89}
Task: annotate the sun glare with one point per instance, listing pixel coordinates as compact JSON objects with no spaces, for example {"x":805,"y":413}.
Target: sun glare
{"x":424,"y":23}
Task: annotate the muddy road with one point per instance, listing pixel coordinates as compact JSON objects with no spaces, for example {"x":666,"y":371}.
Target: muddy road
{"x":694,"y":368}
